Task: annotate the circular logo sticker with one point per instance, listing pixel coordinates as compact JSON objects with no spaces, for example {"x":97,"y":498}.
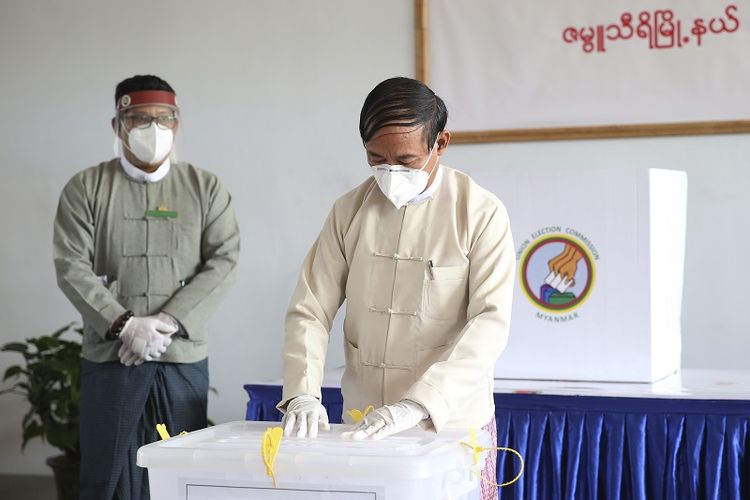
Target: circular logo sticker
{"x":125,"y":101}
{"x":557,"y":273}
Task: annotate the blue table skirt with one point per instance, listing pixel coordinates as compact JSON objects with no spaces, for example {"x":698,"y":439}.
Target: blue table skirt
{"x":583,"y":447}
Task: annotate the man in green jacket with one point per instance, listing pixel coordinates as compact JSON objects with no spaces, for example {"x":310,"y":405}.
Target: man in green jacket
{"x":145,"y":248}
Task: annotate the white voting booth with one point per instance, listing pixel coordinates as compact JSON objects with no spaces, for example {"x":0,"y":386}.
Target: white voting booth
{"x":600,"y":257}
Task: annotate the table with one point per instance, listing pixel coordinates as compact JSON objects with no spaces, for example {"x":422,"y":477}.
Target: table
{"x":683,"y":437}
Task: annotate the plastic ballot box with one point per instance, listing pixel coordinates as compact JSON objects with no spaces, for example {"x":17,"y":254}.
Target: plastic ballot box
{"x":226,"y":462}
{"x":600,"y":254}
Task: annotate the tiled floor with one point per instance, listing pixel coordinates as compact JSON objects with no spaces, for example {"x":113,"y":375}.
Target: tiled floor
{"x":14,"y":487}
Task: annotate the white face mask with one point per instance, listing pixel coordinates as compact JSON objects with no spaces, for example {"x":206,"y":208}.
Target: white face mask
{"x":151,"y":145}
{"x":401,"y":184}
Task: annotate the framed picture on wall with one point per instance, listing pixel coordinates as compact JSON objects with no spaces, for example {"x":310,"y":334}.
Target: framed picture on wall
{"x":544,"y":70}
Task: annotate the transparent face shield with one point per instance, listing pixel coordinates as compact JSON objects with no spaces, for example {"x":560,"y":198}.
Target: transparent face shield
{"x":132,"y":122}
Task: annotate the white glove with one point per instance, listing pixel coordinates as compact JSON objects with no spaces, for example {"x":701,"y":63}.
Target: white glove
{"x":388,"y":420}
{"x":145,"y":339}
{"x":160,"y":346}
{"x":304,"y":416}
{"x":168,"y":319}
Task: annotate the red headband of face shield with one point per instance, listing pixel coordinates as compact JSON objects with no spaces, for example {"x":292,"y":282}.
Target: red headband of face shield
{"x":141,"y":97}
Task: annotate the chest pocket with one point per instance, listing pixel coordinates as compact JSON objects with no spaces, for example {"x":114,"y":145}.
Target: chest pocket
{"x":161,"y":239}
{"x":446,"y":293}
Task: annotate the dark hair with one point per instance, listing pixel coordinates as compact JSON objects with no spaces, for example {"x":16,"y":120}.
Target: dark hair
{"x":141,"y":82}
{"x":402,"y":101}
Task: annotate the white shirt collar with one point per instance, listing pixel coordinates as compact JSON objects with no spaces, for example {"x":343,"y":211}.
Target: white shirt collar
{"x":139,"y":175}
{"x":430,"y":191}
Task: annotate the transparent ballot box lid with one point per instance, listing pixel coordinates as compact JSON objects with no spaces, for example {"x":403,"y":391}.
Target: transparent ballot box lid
{"x":236,"y":447}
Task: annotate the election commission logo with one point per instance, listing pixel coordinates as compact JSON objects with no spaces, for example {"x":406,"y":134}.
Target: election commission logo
{"x":557,"y":269}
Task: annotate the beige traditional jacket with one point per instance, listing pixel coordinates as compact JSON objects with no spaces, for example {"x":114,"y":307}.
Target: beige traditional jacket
{"x":428,"y":292}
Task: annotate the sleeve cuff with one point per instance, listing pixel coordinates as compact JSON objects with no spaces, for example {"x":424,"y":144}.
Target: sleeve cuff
{"x":108,"y":314}
{"x":176,"y":312}
{"x":299,"y":389}
{"x":181,"y":331}
{"x":433,"y":401}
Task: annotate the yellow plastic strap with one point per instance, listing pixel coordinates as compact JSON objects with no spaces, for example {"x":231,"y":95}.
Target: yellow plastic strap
{"x":162,"y":430}
{"x":269,"y":448}
{"x":163,"y":434}
{"x":478,"y":450}
{"x":357,"y":415}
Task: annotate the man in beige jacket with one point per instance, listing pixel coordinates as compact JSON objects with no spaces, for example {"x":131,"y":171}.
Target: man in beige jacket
{"x":425,"y":259}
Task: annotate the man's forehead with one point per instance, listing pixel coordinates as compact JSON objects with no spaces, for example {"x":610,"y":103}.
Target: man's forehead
{"x":400,"y":132}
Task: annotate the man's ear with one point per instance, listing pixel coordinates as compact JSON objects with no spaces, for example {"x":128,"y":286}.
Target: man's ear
{"x":444,"y":138}
{"x":113,"y":125}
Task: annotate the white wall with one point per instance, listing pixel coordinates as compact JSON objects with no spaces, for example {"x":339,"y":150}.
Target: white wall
{"x":270,"y":93}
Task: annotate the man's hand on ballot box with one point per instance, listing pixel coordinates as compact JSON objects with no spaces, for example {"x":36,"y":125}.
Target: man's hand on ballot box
{"x":388,"y":420}
{"x":304,"y":417}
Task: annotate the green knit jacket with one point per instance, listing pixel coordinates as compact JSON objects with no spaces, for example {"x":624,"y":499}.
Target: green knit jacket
{"x":170,"y":246}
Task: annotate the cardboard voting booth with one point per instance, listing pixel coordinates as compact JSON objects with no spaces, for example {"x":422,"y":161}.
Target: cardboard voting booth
{"x":600,"y":257}
{"x":226,"y":462}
